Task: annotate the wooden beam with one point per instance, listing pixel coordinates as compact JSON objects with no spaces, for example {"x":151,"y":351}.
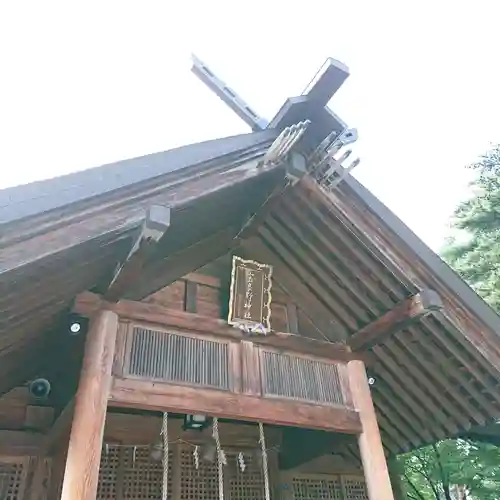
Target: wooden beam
{"x":20,"y":443}
{"x":88,"y":303}
{"x":401,"y":316}
{"x":147,"y":395}
{"x":65,"y":230}
{"x":292,"y":318}
{"x":60,"y":428}
{"x":377,"y":478}
{"x":85,"y":442}
{"x":164,"y":272}
{"x":153,"y":229}
{"x":251,"y":226}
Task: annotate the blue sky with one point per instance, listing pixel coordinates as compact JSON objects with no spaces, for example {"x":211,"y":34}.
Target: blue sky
{"x":95,"y":82}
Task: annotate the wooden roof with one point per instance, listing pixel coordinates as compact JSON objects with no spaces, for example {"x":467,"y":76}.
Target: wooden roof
{"x":343,"y":256}
{"x":52,"y":251}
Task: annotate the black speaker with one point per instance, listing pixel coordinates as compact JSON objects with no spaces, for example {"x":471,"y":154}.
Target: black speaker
{"x":39,"y":388}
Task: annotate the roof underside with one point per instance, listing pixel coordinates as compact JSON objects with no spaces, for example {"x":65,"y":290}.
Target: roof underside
{"x":431,"y":380}
{"x":342,"y":257}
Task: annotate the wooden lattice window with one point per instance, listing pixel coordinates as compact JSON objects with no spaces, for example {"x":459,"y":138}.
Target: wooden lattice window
{"x":128,"y":472}
{"x":288,"y":376}
{"x":246,"y":485}
{"x":13,"y":474}
{"x":142,"y":476}
{"x":124,"y":477}
{"x":197,"y":483}
{"x":170,"y":357}
{"x":108,"y":473}
{"x":305,"y":488}
{"x":355,"y":489}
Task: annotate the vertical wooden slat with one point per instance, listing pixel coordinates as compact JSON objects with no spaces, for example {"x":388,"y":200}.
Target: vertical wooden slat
{"x":190,"y":297}
{"x":120,"y":474}
{"x":285,"y":486}
{"x":375,"y":469}
{"x":39,"y":482}
{"x":344,"y":385}
{"x":250,"y":368}
{"x":227,"y":486}
{"x":234,"y":367}
{"x":176,"y":471}
{"x":292,"y":318}
{"x":343,"y":489}
{"x":85,"y":444}
{"x":127,"y":349}
{"x":274,"y":474}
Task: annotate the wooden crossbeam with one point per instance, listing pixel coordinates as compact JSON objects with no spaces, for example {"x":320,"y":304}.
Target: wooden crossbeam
{"x":141,"y":394}
{"x":401,"y":316}
{"x":153,"y":229}
{"x":20,"y":443}
{"x":163,"y":272}
{"x":89,"y":303}
{"x":253,"y":223}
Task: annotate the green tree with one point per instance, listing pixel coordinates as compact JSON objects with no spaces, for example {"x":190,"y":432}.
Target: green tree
{"x":451,"y":468}
{"x":434,"y":472}
{"x":477,"y":221}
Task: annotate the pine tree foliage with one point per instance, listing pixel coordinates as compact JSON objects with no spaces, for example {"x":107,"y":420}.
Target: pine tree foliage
{"x":477,"y":259}
{"x":459,"y":469}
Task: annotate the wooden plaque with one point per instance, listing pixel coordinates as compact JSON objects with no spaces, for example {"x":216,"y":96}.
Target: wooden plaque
{"x":250,"y":297}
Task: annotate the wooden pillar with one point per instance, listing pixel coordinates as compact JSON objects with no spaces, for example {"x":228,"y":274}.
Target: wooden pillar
{"x":375,"y":469}
{"x":85,"y":442}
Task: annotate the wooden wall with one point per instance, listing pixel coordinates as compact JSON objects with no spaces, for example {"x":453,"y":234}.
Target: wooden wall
{"x":19,"y":411}
{"x":208,"y":295}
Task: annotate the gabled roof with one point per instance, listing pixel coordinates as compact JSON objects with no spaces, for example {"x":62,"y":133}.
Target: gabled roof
{"x":44,"y":196}
{"x":342,"y":256}
{"x":65,"y":235}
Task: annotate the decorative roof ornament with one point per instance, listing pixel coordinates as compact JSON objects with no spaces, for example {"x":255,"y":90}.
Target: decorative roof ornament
{"x":326,"y":132}
{"x":327,"y":169}
{"x":284,"y":143}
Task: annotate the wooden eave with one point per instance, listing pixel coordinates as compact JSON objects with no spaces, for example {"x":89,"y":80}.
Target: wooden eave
{"x":436,"y":376}
{"x":47,"y":258}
